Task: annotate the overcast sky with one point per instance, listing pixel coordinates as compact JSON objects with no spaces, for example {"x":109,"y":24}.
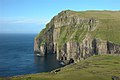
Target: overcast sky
{"x":30,"y":16}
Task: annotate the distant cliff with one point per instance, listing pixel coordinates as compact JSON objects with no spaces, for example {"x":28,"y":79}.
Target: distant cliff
{"x":78,"y":35}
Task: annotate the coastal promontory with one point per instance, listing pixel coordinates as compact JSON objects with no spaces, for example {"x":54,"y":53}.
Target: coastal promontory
{"x":78,"y":35}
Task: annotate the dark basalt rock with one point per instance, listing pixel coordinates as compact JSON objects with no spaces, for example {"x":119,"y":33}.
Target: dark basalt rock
{"x":115,"y":78}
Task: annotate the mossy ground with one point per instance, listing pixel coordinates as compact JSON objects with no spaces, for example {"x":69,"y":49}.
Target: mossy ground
{"x":99,"y":67}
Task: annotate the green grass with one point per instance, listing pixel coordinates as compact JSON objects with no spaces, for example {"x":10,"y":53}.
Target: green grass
{"x":108,"y":27}
{"x":99,"y":67}
{"x":109,"y":24}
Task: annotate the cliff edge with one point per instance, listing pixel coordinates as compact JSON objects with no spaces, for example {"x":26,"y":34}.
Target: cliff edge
{"x":78,"y":35}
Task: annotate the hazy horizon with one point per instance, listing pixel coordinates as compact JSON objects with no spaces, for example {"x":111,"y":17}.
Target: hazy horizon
{"x":30,"y":16}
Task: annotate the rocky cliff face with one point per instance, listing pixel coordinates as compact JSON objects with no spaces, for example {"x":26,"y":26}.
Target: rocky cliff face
{"x":70,"y":37}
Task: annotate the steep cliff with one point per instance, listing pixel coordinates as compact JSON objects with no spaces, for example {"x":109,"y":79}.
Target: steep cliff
{"x":78,"y":35}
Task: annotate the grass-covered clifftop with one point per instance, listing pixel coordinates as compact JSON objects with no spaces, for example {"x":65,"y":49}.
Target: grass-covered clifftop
{"x":108,"y":27}
{"x":100,"y":67}
{"x":109,"y":24}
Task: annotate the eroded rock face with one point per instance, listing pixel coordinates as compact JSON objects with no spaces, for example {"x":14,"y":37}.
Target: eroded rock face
{"x":65,"y":18}
{"x":113,"y":48}
{"x":53,"y":40}
{"x":36,"y":46}
{"x":101,"y":46}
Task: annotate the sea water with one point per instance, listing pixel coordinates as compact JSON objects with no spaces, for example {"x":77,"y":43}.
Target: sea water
{"x":17,"y":56}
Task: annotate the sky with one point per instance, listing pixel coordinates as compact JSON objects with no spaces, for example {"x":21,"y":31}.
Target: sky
{"x":30,"y":16}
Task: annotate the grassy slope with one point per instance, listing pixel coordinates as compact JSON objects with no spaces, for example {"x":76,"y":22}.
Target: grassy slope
{"x":100,"y":67}
{"x":109,"y":24}
{"x":108,"y":28}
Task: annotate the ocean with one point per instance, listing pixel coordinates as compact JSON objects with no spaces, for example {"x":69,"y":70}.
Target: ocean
{"x":17,"y":56}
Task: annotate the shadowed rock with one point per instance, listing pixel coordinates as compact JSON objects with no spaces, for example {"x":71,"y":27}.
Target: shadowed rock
{"x":115,"y":78}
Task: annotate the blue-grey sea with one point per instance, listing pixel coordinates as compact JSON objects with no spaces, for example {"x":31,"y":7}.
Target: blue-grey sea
{"x":17,"y":56}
